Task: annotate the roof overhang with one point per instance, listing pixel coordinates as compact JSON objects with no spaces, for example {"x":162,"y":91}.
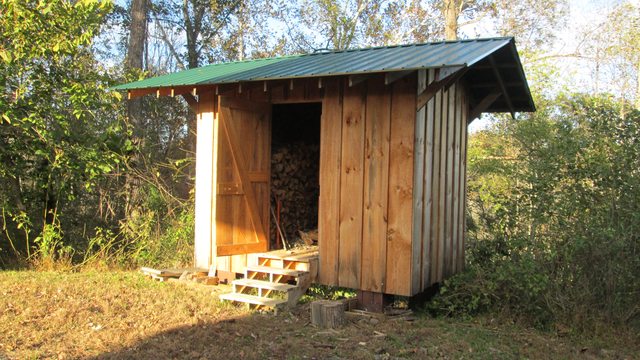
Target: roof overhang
{"x":492,"y":66}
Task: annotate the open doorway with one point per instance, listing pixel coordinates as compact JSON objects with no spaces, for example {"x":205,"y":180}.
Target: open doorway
{"x":295,"y":164}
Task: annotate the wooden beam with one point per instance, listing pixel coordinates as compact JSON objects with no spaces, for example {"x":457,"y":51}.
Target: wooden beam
{"x":483,"y":105}
{"x":191,"y":100}
{"x":446,"y":71}
{"x":180,"y":90}
{"x":489,"y":66}
{"x":136,"y":93}
{"x":489,"y":84}
{"x":319,"y":83}
{"x":441,"y":83}
{"x":391,"y":77}
{"x":503,"y":88}
{"x":357,"y":79}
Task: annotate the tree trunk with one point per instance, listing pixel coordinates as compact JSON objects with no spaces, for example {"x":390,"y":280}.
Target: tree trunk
{"x":451,"y":13}
{"x":135,"y":61}
{"x":135,"y":57}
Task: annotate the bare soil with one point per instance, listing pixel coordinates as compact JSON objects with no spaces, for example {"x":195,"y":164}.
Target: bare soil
{"x":122,"y":315}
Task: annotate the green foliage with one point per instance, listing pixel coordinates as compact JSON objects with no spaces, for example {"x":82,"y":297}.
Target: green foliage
{"x":554,"y":202}
{"x":145,"y":239}
{"x":317,"y":291}
{"x":60,"y":132}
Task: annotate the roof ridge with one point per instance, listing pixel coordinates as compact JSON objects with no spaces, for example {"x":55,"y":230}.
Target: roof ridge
{"x":497,"y":38}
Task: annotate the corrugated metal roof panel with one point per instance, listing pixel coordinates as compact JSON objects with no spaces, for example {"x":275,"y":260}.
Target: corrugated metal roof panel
{"x":369,"y":60}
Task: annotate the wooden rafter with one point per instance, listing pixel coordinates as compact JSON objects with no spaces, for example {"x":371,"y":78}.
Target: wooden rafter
{"x":489,"y":84}
{"x":393,"y":76}
{"x":136,"y":93}
{"x":503,"y":88}
{"x":483,"y":104}
{"x":357,"y":79}
{"x":442,"y":83}
{"x":191,"y":100}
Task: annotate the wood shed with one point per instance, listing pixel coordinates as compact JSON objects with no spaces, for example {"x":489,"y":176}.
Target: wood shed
{"x":390,"y":128}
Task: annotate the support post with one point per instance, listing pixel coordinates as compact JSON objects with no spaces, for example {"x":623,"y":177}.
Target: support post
{"x":373,"y":301}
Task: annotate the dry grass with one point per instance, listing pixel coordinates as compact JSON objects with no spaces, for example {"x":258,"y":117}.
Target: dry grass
{"x":124,"y":315}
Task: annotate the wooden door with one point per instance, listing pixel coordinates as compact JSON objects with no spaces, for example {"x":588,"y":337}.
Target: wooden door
{"x":243,"y":187}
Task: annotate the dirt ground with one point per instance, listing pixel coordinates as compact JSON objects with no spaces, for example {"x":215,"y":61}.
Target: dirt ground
{"x":122,"y":315}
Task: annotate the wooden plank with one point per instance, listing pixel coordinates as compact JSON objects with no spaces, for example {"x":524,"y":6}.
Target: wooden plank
{"x":330,"y":164}
{"x":223,"y":263}
{"x":456,"y":180}
{"x":400,"y":187}
{"x":428,"y":190}
{"x":448,"y":210}
{"x":451,"y":130}
{"x":206,"y":123}
{"x":136,"y":93}
{"x":393,"y":76}
{"x":437,"y":212}
{"x":442,"y":83}
{"x":484,"y":104}
{"x":418,"y":187}
{"x":239,"y":261}
{"x":233,"y":249}
{"x":251,"y":228}
{"x":376,"y":186}
{"x":358,"y":79}
{"x":351,"y":185}
{"x":463,"y":198}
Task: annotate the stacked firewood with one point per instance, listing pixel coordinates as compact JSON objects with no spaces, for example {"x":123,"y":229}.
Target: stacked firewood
{"x":294,"y":184}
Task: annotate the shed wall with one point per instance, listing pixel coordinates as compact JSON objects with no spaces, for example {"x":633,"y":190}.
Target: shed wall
{"x":440,"y":185}
{"x":366,"y":183}
{"x":392,"y":180}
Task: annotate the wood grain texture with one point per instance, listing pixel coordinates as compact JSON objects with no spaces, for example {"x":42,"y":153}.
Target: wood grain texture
{"x":418,"y":187}
{"x":376,"y":186}
{"x":428,"y":189}
{"x":330,"y":165}
{"x":435,"y":192}
{"x":244,"y":147}
{"x":351,"y":185}
{"x":456,"y":181}
{"x":205,"y":180}
{"x":403,"y":105}
{"x":451,"y":119}
{"x":463,"y":172}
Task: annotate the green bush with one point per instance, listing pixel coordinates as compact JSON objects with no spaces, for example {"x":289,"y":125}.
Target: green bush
{"x":554,"y":214}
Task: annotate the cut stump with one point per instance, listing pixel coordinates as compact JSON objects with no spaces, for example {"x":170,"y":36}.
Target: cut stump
{"x":327,"y":314}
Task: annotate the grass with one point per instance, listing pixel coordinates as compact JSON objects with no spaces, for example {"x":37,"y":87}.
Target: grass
{"x":104,"y":315}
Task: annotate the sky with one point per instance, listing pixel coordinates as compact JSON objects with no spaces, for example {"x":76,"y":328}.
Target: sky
{"x":574,"y":73}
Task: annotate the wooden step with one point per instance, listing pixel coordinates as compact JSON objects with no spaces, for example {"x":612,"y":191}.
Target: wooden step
{"x":258,"y":284}
{"x":274,"y":271}
{"x":302,"y":256}
{"x":250,"y":299}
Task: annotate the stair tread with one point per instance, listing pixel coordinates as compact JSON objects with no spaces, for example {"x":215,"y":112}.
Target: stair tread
{"x":263,"y":284}
{"x":277,"y":271}
{"x":303,"y":256}
{"x":251,"y":299}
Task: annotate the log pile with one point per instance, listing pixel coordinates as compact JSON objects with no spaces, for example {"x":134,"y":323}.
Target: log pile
{"x":295,"y":183}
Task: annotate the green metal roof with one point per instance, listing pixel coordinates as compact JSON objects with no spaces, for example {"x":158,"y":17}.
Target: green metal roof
{"x":360,"y":61}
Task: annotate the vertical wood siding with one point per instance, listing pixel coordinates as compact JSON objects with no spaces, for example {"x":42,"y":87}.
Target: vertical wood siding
{"x":366,"y":180}
{"x":392,"y":180}
{"x":444,"y":185}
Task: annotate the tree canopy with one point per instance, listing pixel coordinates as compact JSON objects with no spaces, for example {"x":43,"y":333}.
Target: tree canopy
{"x":553,"y":196}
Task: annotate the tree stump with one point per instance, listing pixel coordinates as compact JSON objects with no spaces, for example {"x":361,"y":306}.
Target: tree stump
{"x":327,"y":314}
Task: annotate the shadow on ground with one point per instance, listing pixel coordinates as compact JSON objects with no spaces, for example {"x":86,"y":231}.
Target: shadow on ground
{"x":255,"y":336}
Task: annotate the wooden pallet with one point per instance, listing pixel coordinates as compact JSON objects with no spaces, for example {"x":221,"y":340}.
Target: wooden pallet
{"x":166,"y":274}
